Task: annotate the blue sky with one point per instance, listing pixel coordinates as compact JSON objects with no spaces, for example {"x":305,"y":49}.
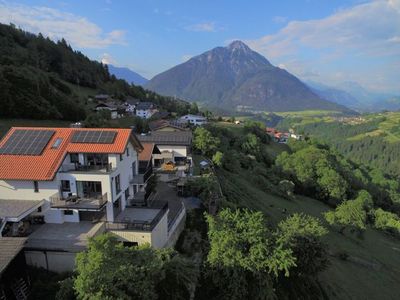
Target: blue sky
{"x":327,"y":41}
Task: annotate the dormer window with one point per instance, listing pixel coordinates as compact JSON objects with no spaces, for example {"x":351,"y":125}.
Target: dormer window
{"x":57,"y":143}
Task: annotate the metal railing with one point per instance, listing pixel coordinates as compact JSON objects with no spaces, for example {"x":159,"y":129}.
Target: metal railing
{"x":141,"y":178}
{"x":88,"y":168}
{"x":95,"y":201}
{"x":139,"y":225}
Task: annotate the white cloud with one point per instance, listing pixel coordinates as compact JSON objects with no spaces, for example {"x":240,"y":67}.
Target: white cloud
{"x":107,"y":59}
{"x":202,"y":27}
{"x":56,"y":24}
{"x":279,"y":19}
{"x":364,"y":32}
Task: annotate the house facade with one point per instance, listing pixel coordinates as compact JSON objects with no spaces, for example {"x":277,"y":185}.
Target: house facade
{"x":195,"y":120}
{"x":173,"y":145}
{"x":59,"y":186}
{"x":145,"y":109}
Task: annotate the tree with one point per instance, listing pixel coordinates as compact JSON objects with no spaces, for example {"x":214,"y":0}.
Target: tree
{"x":217,"y":158}
{"x":387,"y":221}
{"x":351,"y":213}
{"x":108,"y":270}
{"x":240,"y":239}
{"x":205,"y":141}
{"x":302,"y":234}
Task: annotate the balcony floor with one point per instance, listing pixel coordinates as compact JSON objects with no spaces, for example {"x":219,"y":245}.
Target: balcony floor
{"x":82,"y":203}
{"x":137,"y":214}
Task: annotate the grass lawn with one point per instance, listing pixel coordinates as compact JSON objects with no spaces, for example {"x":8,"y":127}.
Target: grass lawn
{"x":6,"y":124}
{"x":308,"y":113}
{"x":371,"y":272}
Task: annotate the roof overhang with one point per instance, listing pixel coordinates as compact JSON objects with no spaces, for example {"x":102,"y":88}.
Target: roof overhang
{"x":16,"y":210}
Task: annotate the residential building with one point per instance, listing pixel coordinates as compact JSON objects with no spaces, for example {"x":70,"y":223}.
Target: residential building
{"x":174,"y":145}
{"x":14,"y":281}
{"x":112,"y":108}
{"x":60,"y":186}
{"x":145,"y":109}
{"x":130,"y":105}
{"x":193,"y":119}
{"x":166,"y":125}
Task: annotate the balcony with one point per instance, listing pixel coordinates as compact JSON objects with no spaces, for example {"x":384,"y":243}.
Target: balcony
{"x":106,"y":168}
{"x":138,"y":219}
{"x":141,"y":178}
{"x":90,"y":202}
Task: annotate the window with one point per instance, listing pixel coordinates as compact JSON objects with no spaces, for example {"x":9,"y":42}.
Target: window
{"x":121,"y":157}
{"x":65,"y":186}
{"x":127,"y":151}
{"x":36,"y":186}
{"x":117,"y":184}
{"x":127,"y":194}
{"x":68,"y":212}
{"x":57,"y":143}
{"x":74,"y":157}
{"x":130,"y":244}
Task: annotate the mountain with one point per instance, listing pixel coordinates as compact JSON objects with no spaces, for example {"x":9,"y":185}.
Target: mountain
{"x":334,"y":95}
{"x":353,"y":95}
{"x":127,"y":74}
{"x":235,"y":76}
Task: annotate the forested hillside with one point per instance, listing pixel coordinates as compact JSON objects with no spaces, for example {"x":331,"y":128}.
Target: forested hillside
{"x":374,"y":140}
{"x":43,"y":79}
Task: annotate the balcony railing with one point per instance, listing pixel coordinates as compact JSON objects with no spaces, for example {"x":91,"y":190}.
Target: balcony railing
{"x":88,"y":168}
{"x":90,"y":202}
{"x":139,"y":225}
{"x":141,"y":178}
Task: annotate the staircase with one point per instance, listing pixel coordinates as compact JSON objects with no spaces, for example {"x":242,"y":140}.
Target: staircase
{"x":20,"y":289}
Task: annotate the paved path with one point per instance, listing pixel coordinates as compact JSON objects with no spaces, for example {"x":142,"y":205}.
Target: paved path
{"x":166,"y":192}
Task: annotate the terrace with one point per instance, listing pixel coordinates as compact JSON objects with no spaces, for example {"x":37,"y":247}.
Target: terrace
{"x":89,"y":202}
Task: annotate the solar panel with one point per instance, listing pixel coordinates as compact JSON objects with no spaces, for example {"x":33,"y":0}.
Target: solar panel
{"x":94,"y":137}
{"x":27,"y":142}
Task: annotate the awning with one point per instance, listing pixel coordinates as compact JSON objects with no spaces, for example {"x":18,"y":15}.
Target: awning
{"x":16,"y":210}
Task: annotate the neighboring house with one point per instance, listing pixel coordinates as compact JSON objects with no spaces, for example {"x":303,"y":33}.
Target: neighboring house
{"x":14,"y":281}
{"x":174,"y":145}
{"x":145,"y":171}
{"x":130,"y":105}
{"x":71,"y":184}
{"x":165,"y":125}
{"x":102,"y":97}
{"x":193,"y":119}
{"x":108,"y":106}
{"x":145,"y":109}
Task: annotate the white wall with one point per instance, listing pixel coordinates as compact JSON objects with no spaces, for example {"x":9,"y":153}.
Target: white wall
{"x":178,"y":151}
{"x":159,"y":235}
{"x":53,"y":261}
{"x":23,"y":190}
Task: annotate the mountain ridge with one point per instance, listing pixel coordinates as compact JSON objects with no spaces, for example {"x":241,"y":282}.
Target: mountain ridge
{"x":127,"y":74}
{"x":235,"y":76}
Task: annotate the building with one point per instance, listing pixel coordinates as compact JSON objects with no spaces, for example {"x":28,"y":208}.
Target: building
{"x":112,"y":108}
{"x":60,"y":186}
{"x":14,"y":281}
{"x":174,"y":145}
{"x":130,"y":105}
{"x":193,"y":120}
{"x":166,"y":125}
{"x":145,"y":109}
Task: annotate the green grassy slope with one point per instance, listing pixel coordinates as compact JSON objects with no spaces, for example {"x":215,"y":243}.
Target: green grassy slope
{"x":372,"y":270}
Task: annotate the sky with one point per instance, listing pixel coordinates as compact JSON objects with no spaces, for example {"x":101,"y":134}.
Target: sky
{"x":326,"y":41}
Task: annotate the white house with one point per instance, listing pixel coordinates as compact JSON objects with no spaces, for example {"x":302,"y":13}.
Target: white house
{"x":173,"y":145}
{"x":193,"y":119}
{"x":145,"y":109}
{"x":59,"y":186}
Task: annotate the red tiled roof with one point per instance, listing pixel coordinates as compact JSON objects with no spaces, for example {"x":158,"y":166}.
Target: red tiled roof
{"x":145,"y":155}
{"x":45,"y":166}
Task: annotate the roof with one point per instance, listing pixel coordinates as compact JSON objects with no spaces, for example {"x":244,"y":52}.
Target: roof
{"x":183,"y":138}
{"x":45,"y":166}
{"x":9,"y":249}
{"x":193,"y":117}
{"x":145,"y":155}
{"x":144,"y":105}
{"x":17,"y":209}
{"x":159,"y":124}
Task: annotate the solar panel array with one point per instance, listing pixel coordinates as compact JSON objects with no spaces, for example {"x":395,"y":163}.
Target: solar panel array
{"x":27,"y":142}
{"x":94,"y":137}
